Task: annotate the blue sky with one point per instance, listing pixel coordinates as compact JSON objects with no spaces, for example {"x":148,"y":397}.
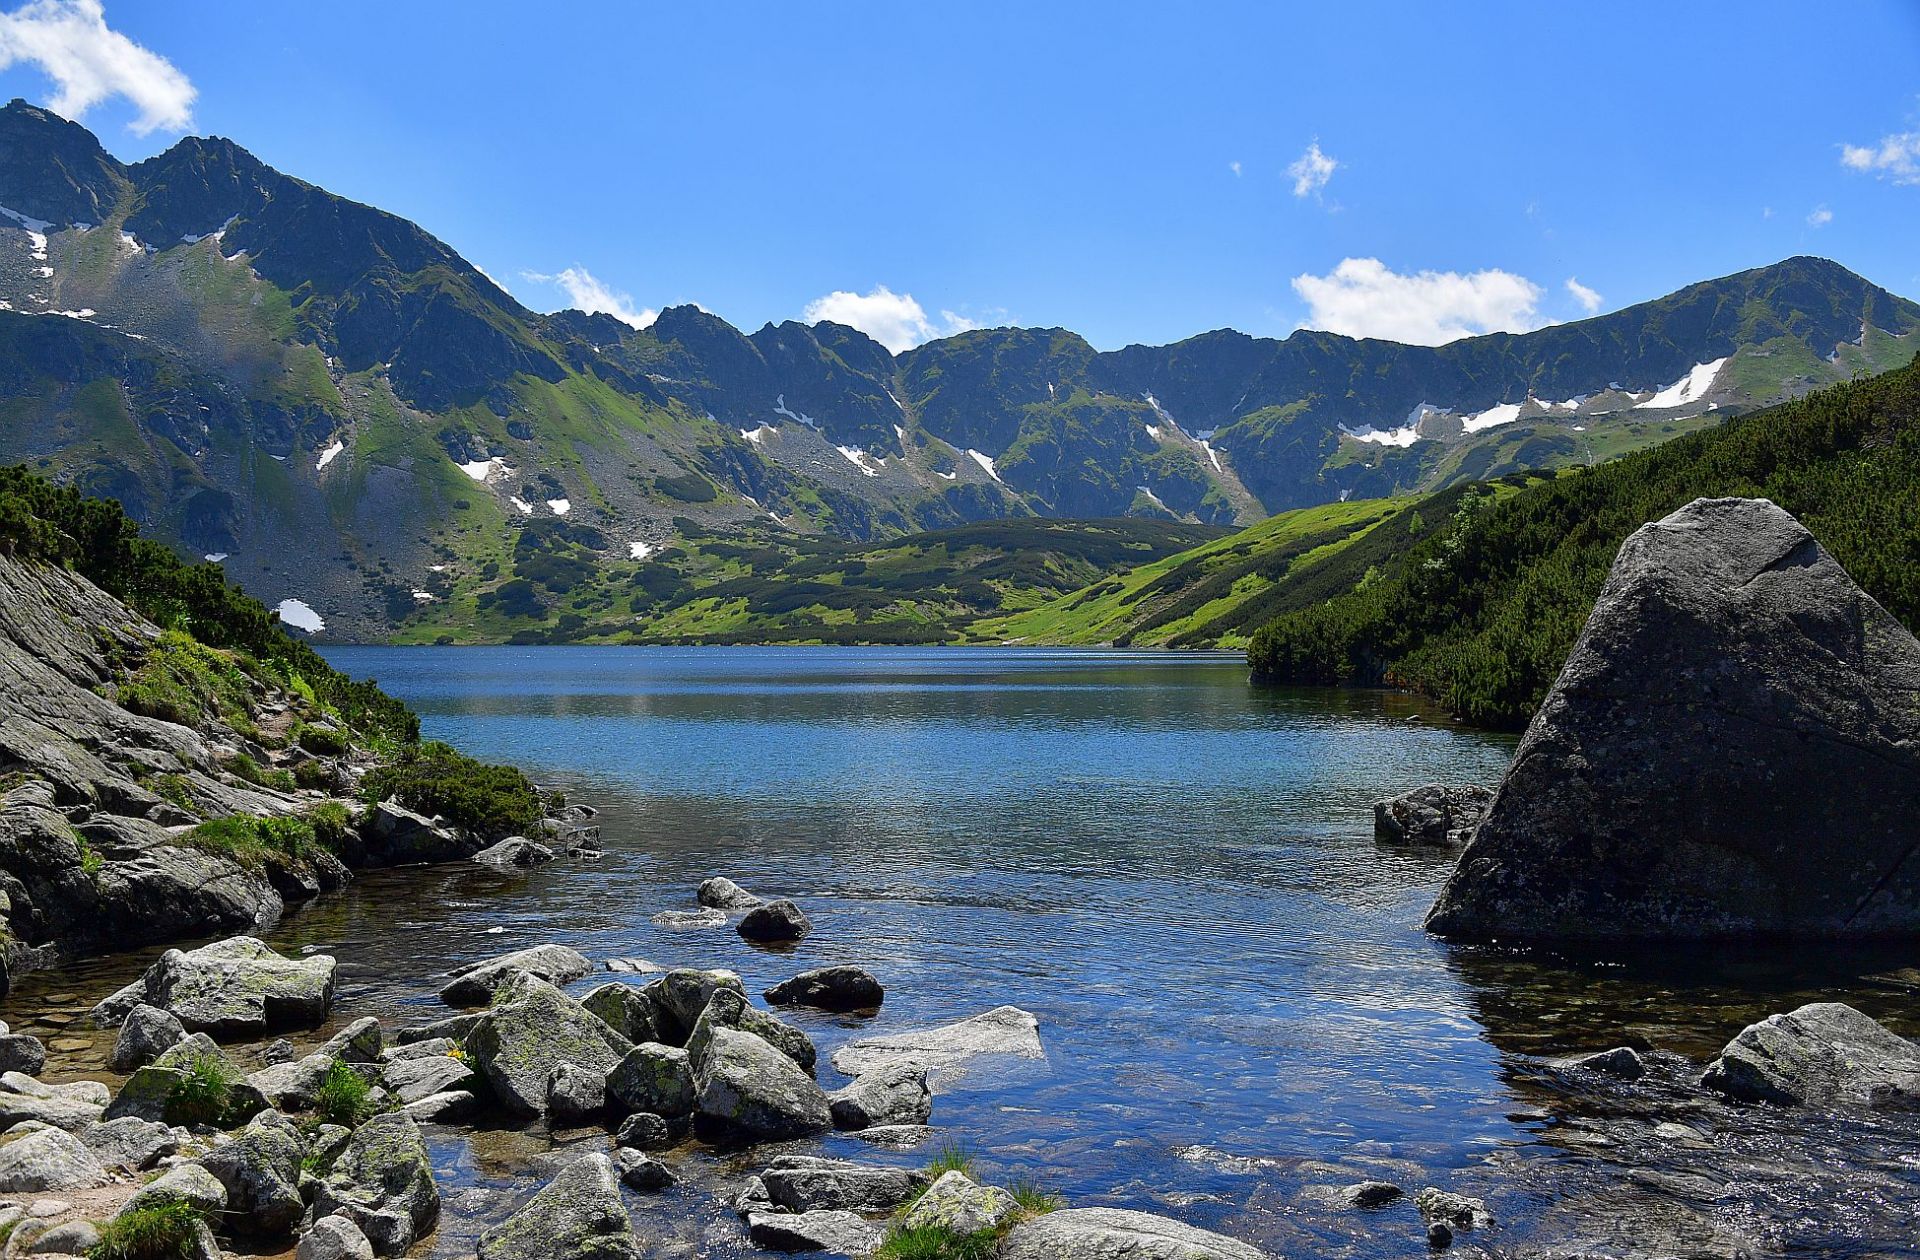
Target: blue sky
{"x":1134,"y":172}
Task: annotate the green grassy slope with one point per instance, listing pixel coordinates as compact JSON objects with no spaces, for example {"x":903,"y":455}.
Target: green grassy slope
{"x":1481,"y":614}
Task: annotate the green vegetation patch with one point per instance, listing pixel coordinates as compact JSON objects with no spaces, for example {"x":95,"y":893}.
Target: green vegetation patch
{"x":431,"y":778}
{"x":168,"y":1230}
{"x":257,"y":843}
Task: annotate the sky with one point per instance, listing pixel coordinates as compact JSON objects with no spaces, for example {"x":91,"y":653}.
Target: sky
{"x":1134,"y":172}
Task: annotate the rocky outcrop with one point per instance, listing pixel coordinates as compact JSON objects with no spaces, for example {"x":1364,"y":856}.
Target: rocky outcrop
{"x":1105,"y":1233}
{"x":1435,"y":814}
{"x":231,"y":988}
{"x":578,"y":1216}
{"x":1823,"y":1054}
{"x":830,"y":989}
{"x":1732,"y":748}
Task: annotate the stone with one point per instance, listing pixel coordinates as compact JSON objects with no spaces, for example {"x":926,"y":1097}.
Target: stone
{"x":450,"y":1105}
{"x":686,"y":919}
{"x":144,"y":1034}
{"x":474,"y":985}
{"x":1368,"y":1195}
{"x":49,"y":1159}
{"x":24,"y":1099}
{"x":75,"y":1238}
{"x":396,"y":836}
{"x":1823,"y":1054}
{"x":728,"y":1009}
{"x":840,"y":1232}
{"x":680,"y":997}
{"x":529,"y":1032}
{"x":896,"y":1137}
{"x":640,"y":1172}
{"x":416,"y":1078}
{"x":575,"y":1094}
{"x":1456,"y":1211}
{"x":260,"y":1168}
{"x":634,"y":966}
{"x":1667,"y":786}
{"x":21,"y":1053}
{"x":292,"y":1086}
{"x":625,"y":1009}
{"x":233,"y":988}
{"x":1105,"y":1233}
{"x":359,"y":1042}
{"x":1433,"y":815}
{"x":189,"y":1183}
{"x":803,"y":1183}
{"x":752,"y":1198}
{"x":515,"y":853}
{"x":1621,"y":1061}
{"x":745,"y":1088}
{"x":645,"y":1131}
{"x":130,"y":1142}
{"x":653,"y":1078}
{"x":1004,"y":1030}
{"x":454,"y":1028}
{"x":775,"y":923}
{"x":891,"y":1094}
{"x":721,"y":893}
{"x":431,"y":1048}
{"x":958,"y":1203}
{"x":830,"y":989}
{"x":334,"y":1238}
{"x":578,"y":1216}
{"x":279,"y":1050}
{"x":382,"y":1181}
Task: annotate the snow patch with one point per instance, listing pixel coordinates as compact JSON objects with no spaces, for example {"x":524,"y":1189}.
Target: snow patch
{"x":27,"y":221}
{"x":330,"y":454}
{"x":946,"y":476}
{"x":131,"y":243}
{"x":1153,"y":431}
{"x":525,"y":508}
{"x":866,"y":463}
{"x":760,"y":435}
{"x":1692,"y":387}
{"x":215,"y":557}
{"x":85,"y":312}
{"x":300,"y":615}
{"x":641,"y":550}
{"x":481,"y":469}
{"x":560,"y":506}
{"x":780,"y":409}
{"x":191,"y":238}
{"x":1492,"y":417}
{"x":896,"y":402}
{"x":986,"y":462}
{"x":1384,"y":437}
{"x":1151,"y":497}
{"x":423,"y":597}
{"x":1212,"y":455}
{"x":902,"y":435}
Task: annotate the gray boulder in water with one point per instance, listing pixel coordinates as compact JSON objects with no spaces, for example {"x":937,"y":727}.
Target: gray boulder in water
{"x":721,"y":893}
{"x":233,"y":988}
{"x":1732,"y":748}
{"x":579,"y":1216}
{"x":776,"y":923}
{"x":383,"y":1182}
{"x":1435,"y":814}
{"x":1819,"y":1055}
{"x":1102,"y":1233}
{"x":830,"y":989}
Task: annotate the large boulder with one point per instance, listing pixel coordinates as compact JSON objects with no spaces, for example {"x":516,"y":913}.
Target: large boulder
{"x":578,"y":1216}
{"x":233,"y":988}
{"x":176,"y":1088}
{"x":653,"y":1078}
{"x":1435,"y":814}
{"x":474,"y":985}
{"x":680,"y":997}
{"x":745,"y":1088}
{"x":22,"y":1053}
{"x":334,"y":1238}
{"x":383,"y":1182}
{"x":842,"y":1233}
{"x":396,"y":836}
{"x":958,"y":1203}
{"x":729,"y":1009}
{"x":625,"y":1009}
{"x":260,"y":1169}
{"x":1104,"y":1233}
{"x":1004,"y":1030}
{"x":830,"y":989}
{"x":130,"y":1142}
{"x":71,"y":1107}
{"x":893,"y":1093}
{"x":145,"y":1034}
{"x":1732,"y":748}
{"x":191,"y":1184}
{"x":49,"y":1159}
{"x":514,"y":853}
{"x":775,"y":923}
{"x":422,"y":1076}
{"x":806,"y":1183}
{"x":1822,"y":1054}
{"x":533,"y":1029}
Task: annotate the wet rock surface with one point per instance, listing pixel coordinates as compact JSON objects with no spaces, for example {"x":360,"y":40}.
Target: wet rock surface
{"x":1435,"y":814}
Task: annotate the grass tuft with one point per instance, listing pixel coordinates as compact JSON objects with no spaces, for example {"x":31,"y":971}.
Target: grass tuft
{"x":203,"y":1094}
{"x":344,"y":1097}
{"x":162,"y":1231}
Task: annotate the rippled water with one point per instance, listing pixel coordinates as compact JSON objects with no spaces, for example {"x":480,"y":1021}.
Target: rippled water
{"x":1173,"y":870}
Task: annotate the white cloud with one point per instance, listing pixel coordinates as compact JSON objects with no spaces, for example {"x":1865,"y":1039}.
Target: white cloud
{"x":1311,"y":171}
{"x":1896,"y":158}
{"x":1362,"y":298}
{"x":1820,"y":217}
{"x":1589,"y":299}
{"x":1234,"y":167}
{"x":894,"y":320}
{"x":585,"y":292}
{"x":70,"y":41}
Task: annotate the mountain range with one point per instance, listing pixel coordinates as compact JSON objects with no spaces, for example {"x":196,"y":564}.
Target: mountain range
{"x":351,"y":417}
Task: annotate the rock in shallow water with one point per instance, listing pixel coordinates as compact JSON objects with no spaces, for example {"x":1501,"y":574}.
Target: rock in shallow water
{"x":804,"y":1183}
{"x":830,"y":989}
{"x":1435,"y":814}
{"x":233,"y":988}
{"x":578,"y":1216}
{"x":891,"y":1094}
{"x":145,"y":1034}
{"x":531,"y":1030}
{"x":1663,"y":789}
{"x":474,"y":986}
{"x":1006,"y":1030}
{"x":959,"y":1203}
{"x":842,"y":1233}
{"x":1819,"y":1055}
{"x":383,"y":1182}
{"x":776,"y":923}
{"x":1107,"y":1233}
{"x":721,"y":893}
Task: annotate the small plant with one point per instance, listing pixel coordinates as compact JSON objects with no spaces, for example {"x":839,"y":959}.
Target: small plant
{"x":168,"y":1230}
{"x":1033,"y":1200}
{"x":175,"y":790}
{"x":313,"y":775}
{"x":321,"y":741}
{"x":953,"y":1157}
{"x":245,"y":767}
{"x":344,"y":1097}
{"x":90,"y":860}
{"x":203,"y":1093}
{"x":255,"y":842}
{"x":332,"y":825}
{"x":938,"y":1242}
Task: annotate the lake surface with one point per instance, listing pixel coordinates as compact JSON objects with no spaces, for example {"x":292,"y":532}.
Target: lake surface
{"x":1173,"y":870}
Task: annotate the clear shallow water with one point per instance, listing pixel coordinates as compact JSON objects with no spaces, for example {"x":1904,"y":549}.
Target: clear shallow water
{"x":1173,"y":870}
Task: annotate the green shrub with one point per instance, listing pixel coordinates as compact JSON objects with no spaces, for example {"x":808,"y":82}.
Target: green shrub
{"x":204,"y":1092}
{"x":432,"y":778}
{"x":168,"y":1230}
{"x":313,"y":775}
{"x":245,"y":767}
{"x":321,"y":741}
{"x":256,"y":842}
{"x":175,"y":790}
{"x":344,"y":1097}
{"x":332,"y":825}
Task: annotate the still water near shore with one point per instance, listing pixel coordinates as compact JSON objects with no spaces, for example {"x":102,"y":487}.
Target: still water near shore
{"x":1174,"y":870}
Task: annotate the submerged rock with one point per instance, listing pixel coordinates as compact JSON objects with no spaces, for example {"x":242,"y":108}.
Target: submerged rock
{"x":1455,"y":1211}
{"x":1106,"y":1233}
{"x":1005,"y":1030}
{"x":1621,"y":1061}
{"x":721,"y":893}
{"x":640,"y":1172}
{"x":233,"y":988}
{"x":1822,"y":1054}
{"x":776,"y":923}
{"x":1733,"y":747}
{"x":578,"y":1216}
{"x":690,"y":919}
{"x":830,"y":989}
{"x":1435,"y":814}
{"x":474,"y":985}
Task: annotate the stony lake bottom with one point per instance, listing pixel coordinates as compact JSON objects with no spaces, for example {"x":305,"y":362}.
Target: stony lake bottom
{"x":1172,"y":869}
